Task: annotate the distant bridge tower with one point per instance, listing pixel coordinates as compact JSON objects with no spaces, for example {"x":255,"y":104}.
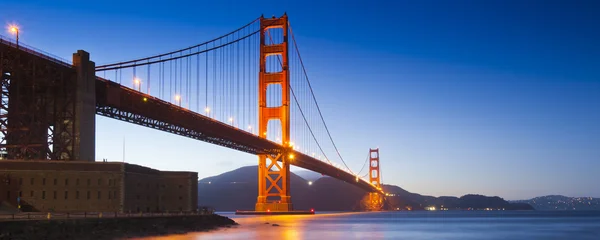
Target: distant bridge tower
{"x":374,"y":173}
{"x":274,"y":169}
{"x":374,"y":201}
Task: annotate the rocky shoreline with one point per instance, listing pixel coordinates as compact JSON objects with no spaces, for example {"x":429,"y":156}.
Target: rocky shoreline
{"x":111,"y":228}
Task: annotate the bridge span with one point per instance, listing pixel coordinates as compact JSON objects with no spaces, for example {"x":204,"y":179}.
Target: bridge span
{"x":247,"y":90}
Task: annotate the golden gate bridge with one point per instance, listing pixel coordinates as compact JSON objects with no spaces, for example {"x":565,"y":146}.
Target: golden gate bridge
{"x":247,"y":90}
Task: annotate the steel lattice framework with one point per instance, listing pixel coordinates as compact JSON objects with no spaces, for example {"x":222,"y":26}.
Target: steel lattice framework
{"x":38,"y":105}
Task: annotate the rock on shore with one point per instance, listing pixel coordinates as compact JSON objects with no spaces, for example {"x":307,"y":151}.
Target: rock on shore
{"x":110,"y":228}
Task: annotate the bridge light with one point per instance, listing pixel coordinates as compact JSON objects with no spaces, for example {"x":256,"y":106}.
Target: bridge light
{"x":265,"y":133}
{"x":291,"y":156}
{"x":309,"y":183}
{"x":230,"y":119}
{"x":145,"y":99}
{"x":356,"y":179}
{"x":13,"y":29}
{"x":207,"y":109}
{"x":137,"y":83}
{"x":178,"y":99}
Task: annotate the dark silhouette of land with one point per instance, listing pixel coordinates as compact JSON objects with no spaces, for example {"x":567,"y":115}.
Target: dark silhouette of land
{"x":237,"y":190}
{"x":558,"y":203}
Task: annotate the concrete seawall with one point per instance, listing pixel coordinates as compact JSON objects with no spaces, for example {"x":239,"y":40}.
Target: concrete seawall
{"x":110,"y":228}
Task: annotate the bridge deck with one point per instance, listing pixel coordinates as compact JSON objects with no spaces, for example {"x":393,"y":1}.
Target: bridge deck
{"x":116,"y":101}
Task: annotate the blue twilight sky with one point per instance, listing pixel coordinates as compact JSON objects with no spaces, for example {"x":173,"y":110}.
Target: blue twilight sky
{"x":492,"y":97}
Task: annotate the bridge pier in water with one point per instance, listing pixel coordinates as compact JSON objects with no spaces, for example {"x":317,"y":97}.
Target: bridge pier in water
{"x":374,"y":201}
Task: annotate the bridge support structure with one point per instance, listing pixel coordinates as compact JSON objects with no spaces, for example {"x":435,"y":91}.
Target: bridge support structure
{"x":375,"y":200}
{"x":44,"y":114}
{"x":274,"y":169}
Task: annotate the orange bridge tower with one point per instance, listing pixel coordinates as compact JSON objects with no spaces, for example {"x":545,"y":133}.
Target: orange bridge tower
{"x":274,"y":169}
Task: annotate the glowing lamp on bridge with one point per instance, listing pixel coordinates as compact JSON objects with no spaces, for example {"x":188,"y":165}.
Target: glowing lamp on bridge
{"x":14,"y":29}
{"x":178,"y":99}
{"x":207,"y":110}
{"x":138,"y":83}
{"x":291,"y":156}
{"x":309,"y":183}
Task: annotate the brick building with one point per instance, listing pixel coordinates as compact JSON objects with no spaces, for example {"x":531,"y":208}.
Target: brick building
{"x":77,"y":186}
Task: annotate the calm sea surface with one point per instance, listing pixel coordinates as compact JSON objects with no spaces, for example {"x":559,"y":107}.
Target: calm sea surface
{"x":413,"y":225}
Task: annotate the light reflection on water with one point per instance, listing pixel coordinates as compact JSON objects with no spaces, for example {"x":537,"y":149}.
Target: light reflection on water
{"x":411,"y":225}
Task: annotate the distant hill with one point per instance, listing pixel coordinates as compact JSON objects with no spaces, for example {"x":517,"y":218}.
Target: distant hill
{"x":402,"y":199}
{"x":237,"y":190}
{"x":558,"y":202}
{"x":308,"y":175}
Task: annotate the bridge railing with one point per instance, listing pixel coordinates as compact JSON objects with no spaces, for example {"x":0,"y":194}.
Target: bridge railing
{"x":32,"y":50}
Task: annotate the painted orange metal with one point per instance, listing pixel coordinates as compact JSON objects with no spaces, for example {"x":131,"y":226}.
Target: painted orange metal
{"x":274,"y":169}
{"x":374,"y":173}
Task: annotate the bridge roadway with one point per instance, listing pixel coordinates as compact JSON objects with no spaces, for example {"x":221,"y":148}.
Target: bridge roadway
{"x":119,"y":102}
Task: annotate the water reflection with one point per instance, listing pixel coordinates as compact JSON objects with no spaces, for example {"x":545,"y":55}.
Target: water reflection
{"x":411,"y":225}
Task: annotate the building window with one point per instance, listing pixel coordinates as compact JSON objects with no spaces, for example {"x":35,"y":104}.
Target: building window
{"x":180,"y":186}
{"x":7,"y":195}
{"x":20,"y":194}
{"x":99,"y":181}
{"x":138,"y":197}
{"x":67,"y":182}
{"x":115,"y":194}
{"x":98,"y":194}
{"x":109,"y":195}
{"x":89,"y":181}
{"x":43,"y":194}
{"x":77,"y":195}
{"x":88,"y":195}
{"x":44,"y":181}
{"x":31,"y":194}
{"x":77,"y":182}
{"x":31,"y":181}
{"x":66,"y":194}
{"x":54,"y":194}
{"x":20,"y":181}
{"x":55,"y":181}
